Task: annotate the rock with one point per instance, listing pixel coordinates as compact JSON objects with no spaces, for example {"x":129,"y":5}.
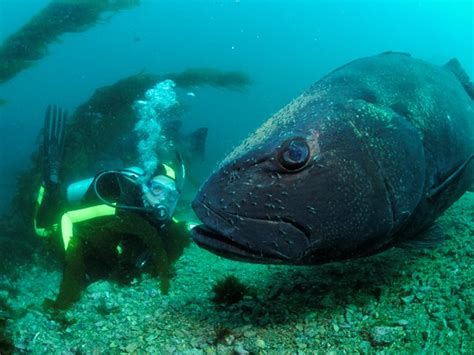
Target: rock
{"x":386,"y":335}
{"x":403,"y":322}
{"x":130,"y":348}
{"x":150,"y":338}
{"x":100,"y":288}
{"x":249,"y":333}
{"x":210,"y":351}
{"x":260,"y":343}
{"x":408,"y":299}
{"x":229,"y":339}
{"x":3,"y":294}
{"x":301,"y":345}
{"x":365,"y":347}
{"x":327,"y":302}
{"x":240,"y":350}
{"x":195,"y":343}
{"x":274,"y":292}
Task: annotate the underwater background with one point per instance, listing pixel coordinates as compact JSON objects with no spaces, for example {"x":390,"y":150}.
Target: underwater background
{"x":284,"y":46}
{"x":410,"y":301}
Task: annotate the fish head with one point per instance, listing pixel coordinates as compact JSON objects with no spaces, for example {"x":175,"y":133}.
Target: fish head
{"x":300,"y":190}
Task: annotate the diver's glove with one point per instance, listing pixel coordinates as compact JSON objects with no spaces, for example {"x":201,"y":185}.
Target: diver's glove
{"x":53,"y":145}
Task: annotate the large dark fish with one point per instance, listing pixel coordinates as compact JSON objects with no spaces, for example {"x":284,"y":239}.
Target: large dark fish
{"x":367,"y":157}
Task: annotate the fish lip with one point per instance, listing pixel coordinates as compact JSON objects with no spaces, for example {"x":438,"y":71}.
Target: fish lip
{"x":217,"y":242}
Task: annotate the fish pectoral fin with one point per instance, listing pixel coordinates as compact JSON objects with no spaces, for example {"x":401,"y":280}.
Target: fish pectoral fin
{"x":455,"y":67}
{"x":427,"y":239}
{"x":451,"y":179}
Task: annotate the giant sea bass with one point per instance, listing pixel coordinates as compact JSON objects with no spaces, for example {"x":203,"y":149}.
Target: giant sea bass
{"x":367,"y":157}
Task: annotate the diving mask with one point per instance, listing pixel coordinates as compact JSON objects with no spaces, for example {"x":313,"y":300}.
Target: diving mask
{"x":160,"y":193}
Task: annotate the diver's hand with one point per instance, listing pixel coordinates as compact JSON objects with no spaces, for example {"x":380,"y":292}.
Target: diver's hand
{"x":53,"y":145}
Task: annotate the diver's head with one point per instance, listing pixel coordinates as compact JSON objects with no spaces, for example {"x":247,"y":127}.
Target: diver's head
{"x":161,"y":195}
{"x":157,"y":196}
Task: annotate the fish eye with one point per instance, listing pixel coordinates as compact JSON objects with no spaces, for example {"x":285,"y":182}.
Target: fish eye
{"x":294,"y":154}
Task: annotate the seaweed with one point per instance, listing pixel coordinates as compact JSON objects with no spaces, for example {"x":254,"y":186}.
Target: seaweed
{"x":229,"y":290}
{"x":30,"y":43}
{"x":233,"y":80}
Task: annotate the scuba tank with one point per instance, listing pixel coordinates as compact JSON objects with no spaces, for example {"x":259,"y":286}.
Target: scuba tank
{"x":132,"y":189}
{"x":76,"y":192}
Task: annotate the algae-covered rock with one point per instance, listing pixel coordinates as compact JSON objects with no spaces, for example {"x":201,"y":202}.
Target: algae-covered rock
{"x":386,"y":335}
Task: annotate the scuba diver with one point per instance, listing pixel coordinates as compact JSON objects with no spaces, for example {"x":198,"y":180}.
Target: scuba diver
{"x":116,"y":223}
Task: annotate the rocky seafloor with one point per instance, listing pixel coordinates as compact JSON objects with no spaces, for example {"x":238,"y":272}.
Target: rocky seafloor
{"x":402,"y":301}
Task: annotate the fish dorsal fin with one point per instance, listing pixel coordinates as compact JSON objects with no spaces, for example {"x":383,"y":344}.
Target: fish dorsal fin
{"x":455,"y":67}
{"x":398,"y":53}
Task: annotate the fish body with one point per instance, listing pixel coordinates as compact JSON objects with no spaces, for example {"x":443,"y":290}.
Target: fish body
{"x":191,"y":146}
{"x":367,"y":157}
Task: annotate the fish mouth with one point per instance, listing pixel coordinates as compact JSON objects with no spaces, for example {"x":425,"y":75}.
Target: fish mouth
{"x":218,"y":244}
{"x":222,"y":237}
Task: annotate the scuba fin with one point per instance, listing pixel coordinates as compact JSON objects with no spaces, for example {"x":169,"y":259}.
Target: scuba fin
{"x":53,"y":144}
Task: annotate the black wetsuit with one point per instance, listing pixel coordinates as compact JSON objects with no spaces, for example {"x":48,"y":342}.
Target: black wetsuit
{"x":118,"y":246}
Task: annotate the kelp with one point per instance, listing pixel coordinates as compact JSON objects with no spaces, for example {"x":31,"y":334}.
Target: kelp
{"x":30,"y":43}
{"x":233,"y":80}
{"x":96,"y":129}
